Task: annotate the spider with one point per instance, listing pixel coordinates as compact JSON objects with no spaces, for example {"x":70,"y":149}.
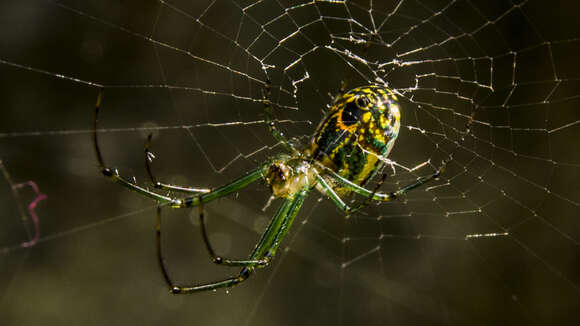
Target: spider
{"x":348,"y":148}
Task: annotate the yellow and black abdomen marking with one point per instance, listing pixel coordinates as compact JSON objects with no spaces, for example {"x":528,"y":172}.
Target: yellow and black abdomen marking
{"x":358,"y":132}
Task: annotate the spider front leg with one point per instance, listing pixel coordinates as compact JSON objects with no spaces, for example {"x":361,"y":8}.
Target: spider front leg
{"x":113,"y":174}
{"x":215,"y":258}
{"x":272,"y":126}
{"x":190,"y":201}
{"x":159,"y":185}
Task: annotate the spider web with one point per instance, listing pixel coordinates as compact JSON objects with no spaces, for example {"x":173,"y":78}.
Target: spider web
{"x":490,"y":87}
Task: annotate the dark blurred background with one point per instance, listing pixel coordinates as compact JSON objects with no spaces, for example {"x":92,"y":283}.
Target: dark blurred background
{"x":192,"y":74}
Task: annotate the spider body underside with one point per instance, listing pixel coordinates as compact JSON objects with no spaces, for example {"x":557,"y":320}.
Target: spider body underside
{"x":347,"y":149}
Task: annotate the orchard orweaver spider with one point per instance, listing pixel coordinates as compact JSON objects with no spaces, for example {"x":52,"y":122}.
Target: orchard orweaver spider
{"x":348,"y":148}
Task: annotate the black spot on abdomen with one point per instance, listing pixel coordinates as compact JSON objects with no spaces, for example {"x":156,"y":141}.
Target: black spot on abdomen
{"x":351,"y":114}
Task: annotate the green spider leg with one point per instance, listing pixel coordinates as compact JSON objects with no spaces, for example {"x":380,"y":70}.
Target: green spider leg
{"x":327,"y":189}
{"x":219,"y":259}
{"x":384,"y":197}
{"x":164,"y":186}
{"x":381,"y":196}
{"x":214,"y":258}
{"x":370,"y":195}
{"x":264,"y":250}
{"x":175,"y":202}
{"x":272,"y":126}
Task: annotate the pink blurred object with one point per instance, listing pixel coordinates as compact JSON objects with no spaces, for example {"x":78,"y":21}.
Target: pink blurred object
{"x":32,"y":211}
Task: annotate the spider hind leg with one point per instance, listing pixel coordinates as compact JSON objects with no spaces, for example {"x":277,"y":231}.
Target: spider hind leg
{"x":264,"y":250}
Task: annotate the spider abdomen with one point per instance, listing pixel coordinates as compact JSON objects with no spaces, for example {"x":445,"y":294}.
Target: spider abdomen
{"x":358,"y":133}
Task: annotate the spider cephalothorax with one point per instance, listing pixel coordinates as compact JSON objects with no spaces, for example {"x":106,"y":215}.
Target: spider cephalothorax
{"x":286,"y":175}
{"x":349,"y":146}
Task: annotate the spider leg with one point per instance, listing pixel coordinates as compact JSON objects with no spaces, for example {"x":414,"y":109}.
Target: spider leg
{"x":381,"y":196}
{"x":326,"y":189}
{"x":218,"y":259}
{"x":159,"y":185}
{"x":175,"y":289}
{"x":174,"y":202}
{"x":369,"y":198}
{"x":370,"y":195}
{"x":286,"y":224}
{"x":113,"y":174}
{"x":264,"y":250}
{"x":179,"y":289}
{"x":272,"y":126}
{"x":160,"y":258}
